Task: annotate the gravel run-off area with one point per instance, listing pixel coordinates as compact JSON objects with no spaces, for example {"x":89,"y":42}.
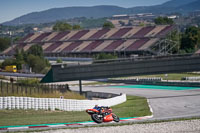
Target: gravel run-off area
{"x":163,"y":127}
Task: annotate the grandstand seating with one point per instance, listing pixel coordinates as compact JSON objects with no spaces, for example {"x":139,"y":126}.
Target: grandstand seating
{"x":72,"y":46}
{"x":46,"y":45}
{"x":30,"y":39}
{"x":95,"y":40}
{"x":26,"y":47}
{"x":61,"y":47}
{"x":41,"y":37}
{"x":143,"y":31}
{"x":148,"y":44}
{"x":164,"y":31}
{"x":109,"y":33}
{"x":120,"y":33}
{"x":26,"y":37}
{"x":102,"y":46}
{"x":82,"y":46}
{"x":156,"y":30}
{"x":92,"y":46}
{"x":59,"y":36}
{"x":78,"y":35}
{"x":99,"y":34}
{"x":125,"y":45}
{"x":87,"y":35}
{"x":137,"y":44}
{"x":113,"y":45}
{"x":53,"y":46}
{"x":51,"y":36}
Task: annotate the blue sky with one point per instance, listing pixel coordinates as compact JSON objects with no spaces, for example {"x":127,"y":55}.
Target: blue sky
{"x":10,"y":9}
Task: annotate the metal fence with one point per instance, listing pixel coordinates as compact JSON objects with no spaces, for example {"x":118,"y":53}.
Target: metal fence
{"x":7,"y":89}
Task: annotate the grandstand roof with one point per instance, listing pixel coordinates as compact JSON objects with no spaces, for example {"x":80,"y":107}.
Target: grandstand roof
{"x":94,"y":40}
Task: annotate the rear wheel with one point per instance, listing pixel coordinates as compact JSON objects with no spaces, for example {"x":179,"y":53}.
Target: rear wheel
{"x":115,"y":118}
{"x":96,"y":118}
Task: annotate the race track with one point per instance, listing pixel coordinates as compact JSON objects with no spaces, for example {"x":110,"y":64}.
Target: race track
{"x":165,"y":103}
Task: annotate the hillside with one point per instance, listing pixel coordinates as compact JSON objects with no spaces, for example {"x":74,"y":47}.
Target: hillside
{"x":54,"y":14}
{"x":51,"y":15}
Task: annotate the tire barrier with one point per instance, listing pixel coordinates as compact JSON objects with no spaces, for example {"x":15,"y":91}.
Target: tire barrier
{"x":137,"y":79}
{"x":56,"y":103}
{"x":191,"y":78}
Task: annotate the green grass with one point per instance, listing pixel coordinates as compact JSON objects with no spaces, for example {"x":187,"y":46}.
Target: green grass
{"x":133,"y":107}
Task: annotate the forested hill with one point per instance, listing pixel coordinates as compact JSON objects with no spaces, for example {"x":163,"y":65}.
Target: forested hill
{"x":51,"y":15}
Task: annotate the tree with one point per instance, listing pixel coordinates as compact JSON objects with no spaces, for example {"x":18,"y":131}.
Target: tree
{"x":62,"y":26}
{"x":163,"y":21}
{"x":174,"y":37}
{"x":76,"y":27}
{"x":103,"y":56}
{"x":8,"y":62}
{"x":108,"y":25}
{"x":59,"y":60}
{"x":36,"y":63}
{"x":4,"y":43}
{"x":190,"y":40}
{"x":19,"y":59}
{"x":36,"y":50}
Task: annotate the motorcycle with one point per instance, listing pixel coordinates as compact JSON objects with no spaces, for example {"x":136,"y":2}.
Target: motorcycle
{"x":105,"y":115}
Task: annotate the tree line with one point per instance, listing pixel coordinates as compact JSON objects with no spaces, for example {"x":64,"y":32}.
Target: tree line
{"x":34,"y":58}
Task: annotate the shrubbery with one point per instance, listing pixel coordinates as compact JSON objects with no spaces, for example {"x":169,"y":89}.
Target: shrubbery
{"x":33,"y":58}
{"x":104,"y":56}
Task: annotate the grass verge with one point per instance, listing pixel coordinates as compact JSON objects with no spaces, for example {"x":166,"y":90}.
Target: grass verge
{"x":133,"y":107}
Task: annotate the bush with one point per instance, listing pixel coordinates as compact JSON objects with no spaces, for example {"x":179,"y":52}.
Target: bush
{"x":104,"y":56}
{"x":28,"y":81}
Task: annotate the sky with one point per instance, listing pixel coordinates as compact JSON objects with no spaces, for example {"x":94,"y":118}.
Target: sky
{"x":10,"y":9}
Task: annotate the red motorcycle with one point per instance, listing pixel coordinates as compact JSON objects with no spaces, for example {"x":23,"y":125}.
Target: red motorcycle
{"x":104,"y":115}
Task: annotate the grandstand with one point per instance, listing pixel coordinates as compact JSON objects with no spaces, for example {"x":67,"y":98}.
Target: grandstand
{"x":126,"y":40}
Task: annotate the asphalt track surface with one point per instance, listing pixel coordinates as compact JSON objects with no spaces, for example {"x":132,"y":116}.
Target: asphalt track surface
{"x":166,"y":104}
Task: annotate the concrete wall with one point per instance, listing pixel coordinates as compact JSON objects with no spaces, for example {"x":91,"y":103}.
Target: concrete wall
{"x":56,"y":103}
{"x":125,"y":68}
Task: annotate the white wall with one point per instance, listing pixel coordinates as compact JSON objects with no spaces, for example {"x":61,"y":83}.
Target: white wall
{"x":56,"y":103}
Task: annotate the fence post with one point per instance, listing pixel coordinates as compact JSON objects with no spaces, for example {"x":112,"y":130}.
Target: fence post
{"x":7,"y":88}
{"x":26,"y":91}
{"x":51,"y":88}
{"x":12,"y":88}
{"x":38,"y":89}
{"x":1,"y":87}
{"x":30,"y":89}
{"x":17,"y":88}
{"x":22,"y":90}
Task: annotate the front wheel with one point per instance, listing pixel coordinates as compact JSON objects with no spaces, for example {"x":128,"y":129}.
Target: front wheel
{"x":115,"y":118}
{"x":96,"y":118}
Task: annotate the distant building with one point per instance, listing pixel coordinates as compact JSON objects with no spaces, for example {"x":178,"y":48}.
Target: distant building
{"x":122,"y":16}
{"x":35,"y":28}
{"x":195,"y":13}
{"x":173,"y":17}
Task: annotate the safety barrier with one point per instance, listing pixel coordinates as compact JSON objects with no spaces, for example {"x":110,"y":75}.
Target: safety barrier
{"x":191,"y":78}
{"x":56,"y":103}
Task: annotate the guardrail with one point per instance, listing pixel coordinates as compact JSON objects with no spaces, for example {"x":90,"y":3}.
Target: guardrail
{"x":56,"y":103}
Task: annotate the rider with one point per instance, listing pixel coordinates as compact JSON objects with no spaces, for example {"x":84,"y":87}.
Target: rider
{"x":99,"y":109}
